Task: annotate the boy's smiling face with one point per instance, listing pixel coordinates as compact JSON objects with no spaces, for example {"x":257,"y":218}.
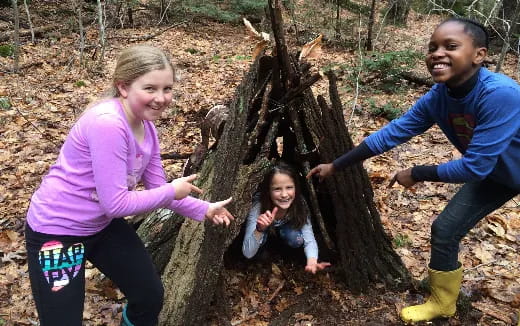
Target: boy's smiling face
{"x":452,"y":56}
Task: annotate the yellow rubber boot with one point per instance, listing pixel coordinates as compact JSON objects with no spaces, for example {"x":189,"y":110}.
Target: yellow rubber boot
{"x":445,"y":287}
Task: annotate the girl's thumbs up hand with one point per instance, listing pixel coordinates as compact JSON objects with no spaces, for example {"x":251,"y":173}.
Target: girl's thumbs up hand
{"x":218,"y":214}
{"x":183,"y":186}
{"x":265,"y":219}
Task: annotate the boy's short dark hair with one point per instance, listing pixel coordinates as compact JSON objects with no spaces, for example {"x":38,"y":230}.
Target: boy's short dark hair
{"x":477,"y":31}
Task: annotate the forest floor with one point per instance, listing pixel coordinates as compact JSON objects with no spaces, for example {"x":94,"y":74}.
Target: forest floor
{"x":48,"y":96}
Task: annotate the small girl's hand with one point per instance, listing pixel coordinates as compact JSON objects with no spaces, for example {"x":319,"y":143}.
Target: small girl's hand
{"x":183,"y":186}
{"x":265,"y":219}
{"x":218,"y":214}
{"x":313,"y":266}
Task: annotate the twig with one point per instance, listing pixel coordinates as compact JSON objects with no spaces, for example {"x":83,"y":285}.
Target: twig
{"x":22,"y":67}
{"x":492,"y":11}
{"x":499,"y":315}
{"x":381,"y":25}
{"x":254,"y":313}
{"x":165,"y":12}
{"x":149,"y":36}
{"x":480,"y":265}
{"x":275,"y":293}
{"x":35,"y":127}
{"x":514,"y":201}
{"x":359,"y":73}
{"x":251,"y":316}
{"x":29,"y":19}
{"x":175,"y":156}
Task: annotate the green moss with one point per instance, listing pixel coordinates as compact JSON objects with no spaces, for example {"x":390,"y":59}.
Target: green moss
{"x":6,"y":50}
{"x":5,"y":104}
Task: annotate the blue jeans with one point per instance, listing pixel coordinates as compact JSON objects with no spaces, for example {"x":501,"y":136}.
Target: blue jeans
{"x":470,"y":204}
{"x":293,"y":238}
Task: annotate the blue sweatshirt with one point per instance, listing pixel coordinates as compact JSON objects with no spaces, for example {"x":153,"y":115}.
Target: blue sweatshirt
{"x":484,"y":126}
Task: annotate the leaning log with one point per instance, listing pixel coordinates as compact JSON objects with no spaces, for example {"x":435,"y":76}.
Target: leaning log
{"x":273,"y":100}
{"x":37,"y":32}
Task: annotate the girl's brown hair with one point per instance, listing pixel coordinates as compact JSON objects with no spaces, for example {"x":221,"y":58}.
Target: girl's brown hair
{"x":298,"y":212}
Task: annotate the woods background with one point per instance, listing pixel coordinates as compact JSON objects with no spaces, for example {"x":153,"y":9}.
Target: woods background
{"x":56,"y":57}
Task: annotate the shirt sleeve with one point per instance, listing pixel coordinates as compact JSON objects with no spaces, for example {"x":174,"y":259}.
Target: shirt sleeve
{"x":109,"y":146}
{"x":251,"y":244}
{"x":414,"y":122}
{"x":310,"y":246}
{"x":425,"y":173}
{"x":355,"y":155}
{"x":154,"y":176}
{"x":498,"y":121}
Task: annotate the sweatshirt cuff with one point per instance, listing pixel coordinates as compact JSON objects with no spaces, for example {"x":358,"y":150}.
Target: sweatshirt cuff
{"x":355,"y":155}
{"x":425,"y":173}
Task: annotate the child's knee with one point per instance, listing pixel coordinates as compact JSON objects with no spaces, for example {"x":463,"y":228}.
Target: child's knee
{"x":294,"y":238}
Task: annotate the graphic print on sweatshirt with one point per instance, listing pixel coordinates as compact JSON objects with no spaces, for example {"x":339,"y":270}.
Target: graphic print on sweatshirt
{"x":463,"y":124}
{"x":60,"y":265}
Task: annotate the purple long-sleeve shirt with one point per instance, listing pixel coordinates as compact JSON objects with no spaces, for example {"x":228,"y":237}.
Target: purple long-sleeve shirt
{"x":94,"y":177}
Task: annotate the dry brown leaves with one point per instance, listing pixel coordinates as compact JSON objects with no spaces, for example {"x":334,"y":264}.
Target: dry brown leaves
{"x":212,"y":58}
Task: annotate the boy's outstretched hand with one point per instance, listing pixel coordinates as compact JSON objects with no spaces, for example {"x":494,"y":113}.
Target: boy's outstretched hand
{"x":404,"y":178}
{"x":313,"y":266}
{"x":218,"y":214}
{"x":322,"y":171}
{"x":183,"y":186}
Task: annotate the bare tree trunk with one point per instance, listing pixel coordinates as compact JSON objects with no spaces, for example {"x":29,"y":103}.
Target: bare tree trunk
{"x":337,"y":32}
{"x":369,"y":45}
{"x":130,"y":13}
{"x":195,"y":265}
{"x":78,"y":7}
{"x":16,"y":35}
{"x":101,"y":22}
{"x":507,"y":38}
{"x":399,"y":10}
{"x":29,"y":19}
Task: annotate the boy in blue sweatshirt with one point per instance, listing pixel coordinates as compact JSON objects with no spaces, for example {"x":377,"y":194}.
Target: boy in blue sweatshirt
{"x":479,"y":112}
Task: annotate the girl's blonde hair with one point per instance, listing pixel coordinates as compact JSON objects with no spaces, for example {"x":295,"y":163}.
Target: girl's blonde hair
{"x":133,"y":62}
{"x":136,"y":61}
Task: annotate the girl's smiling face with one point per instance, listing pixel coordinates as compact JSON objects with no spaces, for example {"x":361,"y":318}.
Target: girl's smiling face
{"x":148,"y":96}
{"x":452,"y":57}
{"x":282,"y":191}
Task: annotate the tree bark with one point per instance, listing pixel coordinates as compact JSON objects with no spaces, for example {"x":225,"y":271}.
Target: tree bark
{"x":29,"y":19}
{"x":364,"y":249}
{"x":16,"y":35}
{"x":273,"y":100}
{"x":399,"y":10}
{"x":37,"y":32}
{"x":196,"y":261}
{"x":102,"y":39}
{"x":371,"y":19}
{"x":78,"y":6}
{"x":507,"y":38}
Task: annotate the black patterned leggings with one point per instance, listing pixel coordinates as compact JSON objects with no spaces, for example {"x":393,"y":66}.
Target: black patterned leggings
{"x":57,"y":273}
